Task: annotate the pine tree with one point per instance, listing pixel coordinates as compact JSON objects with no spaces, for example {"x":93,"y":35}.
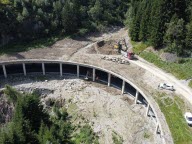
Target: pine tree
{"x":189,"y":37}
{"x":175,"y":35}
{"x":69,"y":18}
{"x":135,"y":24}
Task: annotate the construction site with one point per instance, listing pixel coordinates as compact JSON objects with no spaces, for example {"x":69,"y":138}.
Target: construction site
{"x":102,"y":83}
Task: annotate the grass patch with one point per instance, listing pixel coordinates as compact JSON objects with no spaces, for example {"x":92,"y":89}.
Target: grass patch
{"x":116,"y":138}
{"x":138,"y":47}
{"x":173,"y":111}
{"x":26,"y":46}
{"x":72,"y":108}
{"x":86,"y":136}
{"x":190,"y":83}
{"x":180,"y":70}
{"x":146,"y":135}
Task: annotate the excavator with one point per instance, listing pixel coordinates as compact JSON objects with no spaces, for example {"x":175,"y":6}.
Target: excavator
{"x":122,"y":46}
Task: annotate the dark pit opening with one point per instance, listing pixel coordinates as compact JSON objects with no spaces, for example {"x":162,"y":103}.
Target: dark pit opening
{"x":115,"y":81}
{"x":33,"y":67}
{"x":69,"y":69}
{"x":101,"y":76}
{"x":142,"y":100}
{"x":14,"y":69}
{"x":1,"y":71}
{"x":52,"y":67}
{"x":86,"y":71}
{"x":130,"y":89}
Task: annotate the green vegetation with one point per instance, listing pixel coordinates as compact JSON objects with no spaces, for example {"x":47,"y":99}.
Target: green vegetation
{"x":173,"y":111}
{"x":33,"y":124}
{"x":146,"y":135}
{"x":4,"y":2}
{"x":190,"y":83}
{"x":26,"y":46}
{"x":180,"y":70}
{"x":162,"y":23}
{"x":86,"y":136}
{"x":116,"y":138}
{"x":26,"y":21}
{"x":139,"y":47}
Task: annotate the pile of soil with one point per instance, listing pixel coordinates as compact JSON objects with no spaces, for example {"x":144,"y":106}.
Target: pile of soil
{"x":108,"y":48}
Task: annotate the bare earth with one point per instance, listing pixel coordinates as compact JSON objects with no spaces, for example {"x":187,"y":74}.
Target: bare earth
{"x":104,"y":108}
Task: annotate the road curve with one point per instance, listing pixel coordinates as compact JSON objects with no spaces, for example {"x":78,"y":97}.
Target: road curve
{"x":181,"y":89}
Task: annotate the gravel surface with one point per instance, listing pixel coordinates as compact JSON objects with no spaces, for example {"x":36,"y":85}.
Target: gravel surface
{"x":104,"y":108}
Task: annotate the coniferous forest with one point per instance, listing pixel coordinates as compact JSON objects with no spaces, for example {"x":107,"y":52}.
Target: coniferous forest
{"x":161,"y":23}
{"x":31,"y":19}
{"x":32,"y":123}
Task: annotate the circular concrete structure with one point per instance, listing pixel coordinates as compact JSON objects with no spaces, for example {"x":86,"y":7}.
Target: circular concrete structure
{"x":95,"y":74}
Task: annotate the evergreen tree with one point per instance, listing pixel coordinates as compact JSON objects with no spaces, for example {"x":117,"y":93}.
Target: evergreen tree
{"x":175,"y":37}
{"x":189,"y":37}
{"x":69,"y":18}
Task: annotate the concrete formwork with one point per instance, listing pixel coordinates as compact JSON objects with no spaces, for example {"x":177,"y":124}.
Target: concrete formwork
{"x":14,"y":69}
{"x":107,"y":76}
{"x":101,"y":76}
{"x":33,"y":67}
{"x":69,"y":69}
{"x":1,"y":71}
{"x":86,"y":71}
{"x":52,"y":67}
{"x":130,"y":89}
{"x":116,"y":81}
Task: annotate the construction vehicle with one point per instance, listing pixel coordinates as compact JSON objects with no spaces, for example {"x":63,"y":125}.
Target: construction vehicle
{"x":130,"y":55}
{"x":123,"y":49}
{"x":121,"y":46}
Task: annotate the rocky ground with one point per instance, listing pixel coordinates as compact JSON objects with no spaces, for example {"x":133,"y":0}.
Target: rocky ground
{"x":104,"y":108}
{"x":86,"y":50}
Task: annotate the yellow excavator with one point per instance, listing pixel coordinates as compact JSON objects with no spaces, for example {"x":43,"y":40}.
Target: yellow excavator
{"x":121,"y":45}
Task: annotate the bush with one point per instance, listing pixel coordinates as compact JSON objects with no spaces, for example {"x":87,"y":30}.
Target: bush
{"x":83,"y":31}
{"x":138,"y":47}
{"x":190,"y":83}
{"x":86,"y":136}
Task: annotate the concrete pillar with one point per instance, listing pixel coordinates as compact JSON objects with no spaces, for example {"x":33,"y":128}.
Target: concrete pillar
{"x":147,"y":112}
{"x":123,"y":87}
{"x":136,"y":96}
{"x":109,"y":79}
{"x":78,"y":71}
{"x":43,"y":68}
{"x":24,"y":69}
{"x":93,"y":74}
{"x":4,"y":71}
{"x":61,"y":69}
{"x":157,"y":128}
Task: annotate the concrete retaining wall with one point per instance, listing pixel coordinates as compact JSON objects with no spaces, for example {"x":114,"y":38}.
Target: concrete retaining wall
{"x":9,"y":67}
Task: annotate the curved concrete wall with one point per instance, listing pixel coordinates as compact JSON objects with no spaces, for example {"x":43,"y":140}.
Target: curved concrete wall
{"x":7,"y":68}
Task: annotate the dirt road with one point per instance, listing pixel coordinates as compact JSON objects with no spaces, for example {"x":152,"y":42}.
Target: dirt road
{"x":180,"y":88}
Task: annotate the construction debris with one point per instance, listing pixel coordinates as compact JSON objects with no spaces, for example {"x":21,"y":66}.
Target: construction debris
{"x":115,"y":59}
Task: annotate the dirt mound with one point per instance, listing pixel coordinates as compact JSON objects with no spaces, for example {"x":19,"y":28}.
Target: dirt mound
{"x":104,"y":47}
{"x":108,"y":48}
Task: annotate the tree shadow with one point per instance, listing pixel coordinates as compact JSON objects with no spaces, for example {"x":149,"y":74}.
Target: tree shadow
{"x":17,"y":55}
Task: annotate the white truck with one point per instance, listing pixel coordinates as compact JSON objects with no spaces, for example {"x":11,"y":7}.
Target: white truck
{"x":166,"y":86}
{"x":188,"y":118}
